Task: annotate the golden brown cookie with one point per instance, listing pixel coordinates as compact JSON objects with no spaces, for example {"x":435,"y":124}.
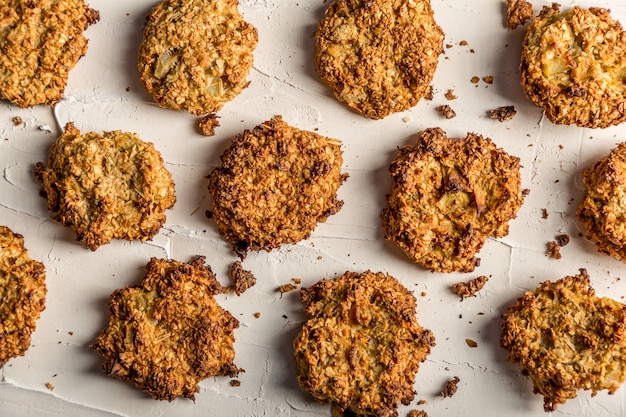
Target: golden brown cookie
{"x":448,"y":196}
{"x":378,"y":56}
{"x":565,"y":338}
{"x":196,"y":54}
{"x":169,"y":333}
{"x":276,"y":183}
{"x":361,"y":345}
{"x":22,"y":295}
{"x":574,"y":65}
{"x":109,"y":186}
{"x":40,"y":42}
{"x":603,"y":207}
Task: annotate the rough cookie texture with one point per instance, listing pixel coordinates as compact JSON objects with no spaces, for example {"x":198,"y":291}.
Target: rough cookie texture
{"x":518,"y":12}
{"x":603,"y":207}
{"x":565,"y":338}
{"x":361,"y":345}
{"x":196,"y":54}
{"x":40,"y":42}
{"x":448,"y":196}
{"x":169,"y":333}
{"x":275,"y":184}
{"x":378,"y":56}
{"x":574,"y":66}
{"x":110,"y":186}
{"x":22,"y":295}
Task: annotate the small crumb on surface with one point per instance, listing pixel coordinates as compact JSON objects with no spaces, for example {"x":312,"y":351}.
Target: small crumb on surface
{"x":286,"y":288}
{"x":450,"y":388}
{"x":17,"y":120}
{"x":297,"y":281}
{"x":544,"y":213}
{"x":241,"y":279}
{"x":446,"y":111}
{"x":257,"y":315}
{"x":471,"y":343}
{"x":475,"y":79}
{"x":450,"y":95}
{"x":208,"y":123}
{"x":417,"y":413}
{"x":554,"y":250}
{"x":235,"y":383}
{"x":471,"y":287}
{"x":49,"y":386}
{"x":488,"y":79}
{"x":562,"y":240}
{"x":518,"y":12}
{"x":502,"y":114}
{"x":463,"y":43}
{"x":429,"y":95}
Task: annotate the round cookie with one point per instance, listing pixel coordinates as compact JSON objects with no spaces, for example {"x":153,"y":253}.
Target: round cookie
{"x":378,"y":56}
{"x":40,"y":43}
{"x":448,"y":196}
{"x":110,"y":186}
{"x":196,"y":54}
{"x":276,"y":183}
{"x":361,"y":345}
{"x":22,"y":295}
{"x":602,"y":209}
{"x":574,"y":64}
{"x":565,"y":338}
{"x":169,"y":333}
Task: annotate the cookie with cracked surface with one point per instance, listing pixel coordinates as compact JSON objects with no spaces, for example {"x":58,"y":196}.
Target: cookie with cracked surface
{"x":574,"y":66}
{"x":448,"y":196}
{"x":378,"y":56}
{"x":275,"y":184}
{"x":602,"y":209}
{"x":196,"y":54}
{"x":361,"y":345}
{"x":22,"y":295}
{"x":565,"y":338}
{"x":109,"y":186}
{"x":40,"y":43}
{"x":169,"y":333}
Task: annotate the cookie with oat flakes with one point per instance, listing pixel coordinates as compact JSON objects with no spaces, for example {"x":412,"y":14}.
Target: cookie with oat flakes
{"x":40,"y":43}
{"x":196,"y":54}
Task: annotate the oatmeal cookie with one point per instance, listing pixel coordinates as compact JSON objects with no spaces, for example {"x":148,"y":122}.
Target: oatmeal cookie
{"x":169,"y":333}
{"x":275,"y":184}
{"x":565,"y":338}
{"x":196,"y":54}
{"x":361,"y":345}
{"x":602,"y":209}
{"x":574,"y":66}
{"x":40,"y":43}
{"x":448,"y":196}
{"x":22,"y":295}
{"x":378,"y":56}
{"x":110,"y":186}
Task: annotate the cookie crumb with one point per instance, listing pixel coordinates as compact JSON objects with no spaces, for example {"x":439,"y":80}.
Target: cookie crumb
{"x":544,"y":213}
{"x":554,"y":250}
{"x":471,"y":343}
{"x":208,"y":123}
{"x":17,"y":120}
{"x":475,"y":79}
{"x":450,"y":388}
{"x":49,"y":386}
{"x":235,"y":383}
{"x":257,"y":315}
{"x":417,"y":413}
{"x":470,"y":288}
{"x":242,"y":280}
{"x":518,"y":12}
{"x":446,"y":111}
{"x":450,"y":95}
{"x":488,"y":79}
{"x":286,"y":288}
{"x":562,"y":240}
{"x":502,"y":114}
{"x":463,"y":43}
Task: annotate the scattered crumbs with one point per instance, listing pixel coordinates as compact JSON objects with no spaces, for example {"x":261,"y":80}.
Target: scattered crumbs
{"x":285,"y":316}
{"x":421,"y":402}
{"x":287,"y":287}
{"x":235,"y":383}
{"x":448,"y":45}
{"x":319,"y":258}
{"x":463,"y":43}
{"x":544,"y":213}
{"x":257,"y":315}
{"x":446,"y":111}
{"x":472,"y":50}
{"x":471,"y":287}
{"x":475,"y":79}
{"x":71,"y":333}
{"x":562,"y":240}
{"x":429,"y":93}
{"x":450,"y":388}
{"x":518,"y":12}
{"x":502,"y":114}
{"x":450,"y":95}
{"x":417,"y":413}
{"x":554,"y":250}
{"x":297,"y":281}
{"x":127,"y":89}
{"x":525,"y":191}
{"x":561,"y":147}
{"x":471,"y":343}
{"x":480,"y":313}
{"x":208,"y":123}
{"x":17,"y":120}
{"x":488,"y":79}
{"x":241,"y":279}
{"x":49,"y":386}
{"x":424,"y":293}
{"x":460,"y":316}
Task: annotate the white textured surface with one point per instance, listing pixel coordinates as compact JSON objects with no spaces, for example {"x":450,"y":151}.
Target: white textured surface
{"x":284,"y":82}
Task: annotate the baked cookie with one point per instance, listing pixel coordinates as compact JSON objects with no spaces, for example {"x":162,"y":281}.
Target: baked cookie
{"x":169,"y":333}
{"x":361,"y":345}
{"x":448,"y":196}
{"x":110,"y":186}
{"x":275,"y":184}
{"x":378,"y":56}
{"x":574,"y":65}
{"x":602,"y":209}
{"x":22,"y":295}
{"x":40,"y":42}
{"x":196,"y":54}
{"x":565,"y":338}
